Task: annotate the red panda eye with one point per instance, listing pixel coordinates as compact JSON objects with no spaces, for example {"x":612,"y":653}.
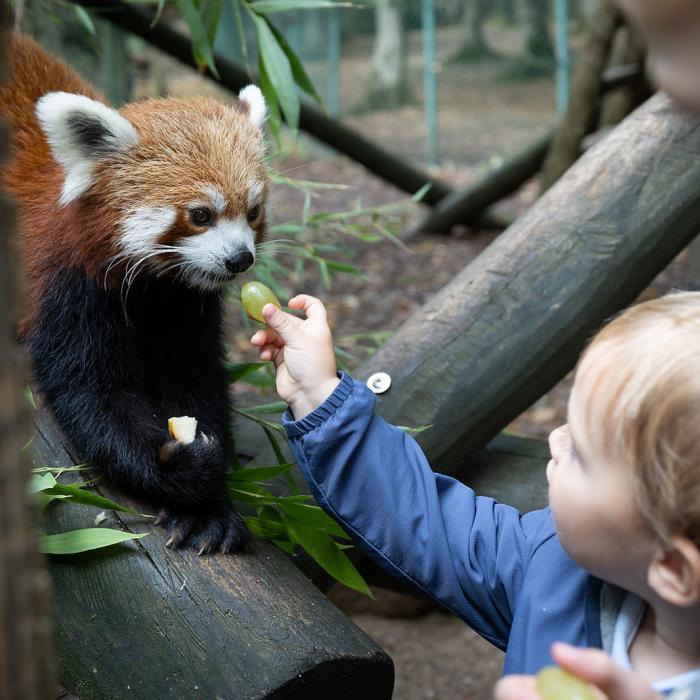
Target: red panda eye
{"x":201,"y":216}
{"x":254,"y":213}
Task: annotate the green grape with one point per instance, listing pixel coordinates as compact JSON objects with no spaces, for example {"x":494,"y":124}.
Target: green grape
{"x":254,"y":296}
{"x":554,"y":683}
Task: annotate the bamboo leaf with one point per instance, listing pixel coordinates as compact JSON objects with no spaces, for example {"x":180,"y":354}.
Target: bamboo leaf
{"x":328,"y":555}
{"x":301,"y":77}
{"x":311,"y":515}
{"x":239,"y":370}
{"x":75,"y":541}
{"x":268,"y":408}
{"x":85,"y":20}
{"x":41,"y":482}
{"x":259,"y":473}
{"x":278,"y":70}
{"x":266,"y":7}
{"x":274,"y":120}
{"x":200,"y":39}
{"x":89,"y":498}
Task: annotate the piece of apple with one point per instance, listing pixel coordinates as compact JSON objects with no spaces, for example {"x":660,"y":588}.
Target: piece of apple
{"x":183,"y":429}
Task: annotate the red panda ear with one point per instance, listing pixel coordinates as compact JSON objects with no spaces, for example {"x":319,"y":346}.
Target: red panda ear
{"x":252,"y":102}
{"x":80,"y":132}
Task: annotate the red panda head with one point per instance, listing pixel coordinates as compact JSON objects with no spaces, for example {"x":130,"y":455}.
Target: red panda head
{"x":177,"y":186}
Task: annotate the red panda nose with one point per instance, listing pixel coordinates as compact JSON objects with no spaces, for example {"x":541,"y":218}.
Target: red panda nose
{"x":240,"y":262}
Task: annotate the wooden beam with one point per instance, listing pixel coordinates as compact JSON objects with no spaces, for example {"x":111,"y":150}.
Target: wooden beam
{"x":144,"y":621}
{"x":508,"y":327}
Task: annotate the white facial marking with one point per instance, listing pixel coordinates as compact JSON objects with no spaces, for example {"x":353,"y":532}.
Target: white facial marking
{"x":255,"y":192}
{"x":216,"y":197}
{"x":80,"y":131}
{"x":257,"y":110}
{"x":206,"y":253}
{"x":143,"y":226}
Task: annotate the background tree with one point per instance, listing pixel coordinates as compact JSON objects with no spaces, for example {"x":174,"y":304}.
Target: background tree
{"x":474,"y":45}
{"x":389,"y":86}
{"x":26,"y":669}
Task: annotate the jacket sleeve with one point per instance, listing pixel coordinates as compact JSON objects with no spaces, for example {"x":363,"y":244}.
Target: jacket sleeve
{"x":432,"y":532}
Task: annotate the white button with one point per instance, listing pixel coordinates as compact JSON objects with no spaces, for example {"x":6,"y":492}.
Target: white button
{"x":379,"y":382}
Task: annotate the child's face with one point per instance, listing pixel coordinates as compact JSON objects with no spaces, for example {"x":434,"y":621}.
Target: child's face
{"x":590,"y":494}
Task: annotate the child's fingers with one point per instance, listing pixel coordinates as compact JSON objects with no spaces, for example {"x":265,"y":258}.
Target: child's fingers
{"x":311,"y":306}
{"x":266,"y":337}
{"x":598,"y":668}
{"x":516,"y":688}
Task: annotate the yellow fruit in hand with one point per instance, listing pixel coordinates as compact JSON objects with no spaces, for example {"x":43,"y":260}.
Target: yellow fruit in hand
{"x":554,"y":683}
{"x":254,"y":296}
{"x":183,"y":429}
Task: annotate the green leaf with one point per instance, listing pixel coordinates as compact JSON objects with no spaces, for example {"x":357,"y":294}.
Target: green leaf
{"x":325,"y":276}
{"x":242,"y":39}
{"x":418,"y":196}
{"x":89,"y":498}
{"x":259,"y":473}
{"x":266,"y":7}
{"x":265,"y":528}
{"x":328,"y":555}
{"x":414,"y":431}
{"x":301,"y":77}
{"x":210,"y":11}
{"x":268,"y":408}
{"x":41,"y":482}
{"x":286,"y":547}
{"x":45,"y":499}
{"x":279,"y":71}
{"x":239,"y":370}
{"x":75,"y":541}
{"x":200,"y":38}
{"x":274,"y":120}
{"x":159,"y":13}
{"x":85,"y":20}
{"x":312,"y":515}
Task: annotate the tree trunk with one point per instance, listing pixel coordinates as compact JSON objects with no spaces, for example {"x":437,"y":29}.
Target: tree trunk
{"x":539,"y":50}
{"x":26,"y":669}
{"x":389,"y":79}
{"x":627,"y":50}
{"x":579,"y":118}
{"x":474,"y":45}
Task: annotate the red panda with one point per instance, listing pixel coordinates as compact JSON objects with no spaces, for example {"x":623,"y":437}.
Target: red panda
{"x":131,"y":223}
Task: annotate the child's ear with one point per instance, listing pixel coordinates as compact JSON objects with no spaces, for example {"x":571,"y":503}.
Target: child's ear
{"x":674,"y":573}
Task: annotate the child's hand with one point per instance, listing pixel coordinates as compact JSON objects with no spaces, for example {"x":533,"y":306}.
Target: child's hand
{"x":302,"y":352}
{"x":591,"y":665}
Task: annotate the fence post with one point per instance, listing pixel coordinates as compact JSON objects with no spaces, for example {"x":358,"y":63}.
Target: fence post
{"x":429,"y":80}
{"x":561,"y":15}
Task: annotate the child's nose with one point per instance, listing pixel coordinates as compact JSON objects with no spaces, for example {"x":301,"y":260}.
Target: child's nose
{"x":557,"y":440}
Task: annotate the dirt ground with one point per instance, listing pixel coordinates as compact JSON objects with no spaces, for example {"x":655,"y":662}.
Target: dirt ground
{"x":482,"y":119}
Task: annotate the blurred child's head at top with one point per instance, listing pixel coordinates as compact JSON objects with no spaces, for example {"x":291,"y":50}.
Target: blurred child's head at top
{"x":624,"y":479}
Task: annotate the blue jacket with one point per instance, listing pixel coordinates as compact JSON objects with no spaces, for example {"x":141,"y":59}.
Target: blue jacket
{"x":505,"y":574}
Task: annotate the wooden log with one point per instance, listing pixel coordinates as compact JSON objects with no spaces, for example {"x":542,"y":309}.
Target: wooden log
{"x":140,"y":620}
{"x":627,"y":50}
{"x":508,"y":327}
{"x":26,"y":659}
{"x":466,"y":206}
{"x":581,"y":111}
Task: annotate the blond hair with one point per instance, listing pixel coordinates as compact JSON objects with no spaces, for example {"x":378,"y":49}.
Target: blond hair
{"x":645,"y":400}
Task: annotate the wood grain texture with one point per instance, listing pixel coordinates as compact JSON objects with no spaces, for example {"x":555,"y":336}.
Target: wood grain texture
{"x":508,"y":327}
{"x":144,"y":621}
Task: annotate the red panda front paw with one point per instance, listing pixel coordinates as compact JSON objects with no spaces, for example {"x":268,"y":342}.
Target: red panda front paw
{"x":206,"y":534}
{"x":193,"y":473}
